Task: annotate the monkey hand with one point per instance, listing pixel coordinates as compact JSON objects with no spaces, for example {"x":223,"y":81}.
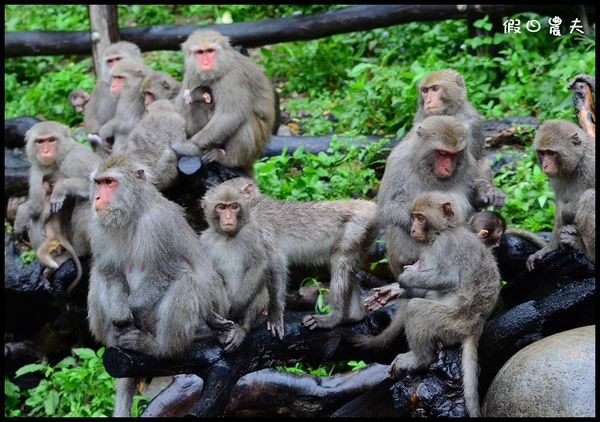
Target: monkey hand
{"x":218,"y":323}
{"x":536,"y":256}
{"x":382,"y":296}
{"x":187,"y":96}
{"x":275,"y":326}
{"x":491,"y":195}
{"x":568,"y":235}
{"x":137,"y":340}
{"x":185,"y":148}
{"x":57,"y":199}
{"x":213,"y":154}
{"x":232,"y":338}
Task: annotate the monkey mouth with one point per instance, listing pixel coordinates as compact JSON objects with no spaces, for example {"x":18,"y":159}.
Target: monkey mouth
{"x":102,"y":212}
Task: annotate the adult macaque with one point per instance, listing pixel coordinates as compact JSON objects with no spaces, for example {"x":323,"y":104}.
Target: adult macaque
{"x":151,"y":287}
{"x":53,"y":153}
{"x":102,"y":105}
{"x":56,"y":248}
{"x":149,"y":142}
{"x":126,"y":84}
{"x":236,"y":131}
{"x":432,"y":156}
{"x":78,"y":98}
{"x":567,"y":155}
{"x":582,"y":233}
{"x":443,"y":93}
{"x":461,"y":281}
{"x":236,"y":248}
{"x":159,"y":86}
{"x":335,"y":233}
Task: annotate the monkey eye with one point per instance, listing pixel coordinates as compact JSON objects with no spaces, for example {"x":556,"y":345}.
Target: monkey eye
{"x":435,"y":88}
{"x":424,"y":90}
{"x":235,"y":207}
{"x":221,"y":207}
{"x":209,"y":50}
{"x":550,"y":153}
{"x":420,"y":218}
{"x":443,"y":153}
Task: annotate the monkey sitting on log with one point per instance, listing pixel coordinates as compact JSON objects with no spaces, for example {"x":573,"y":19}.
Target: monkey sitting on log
{"x":234,"y":128}
{"x":235,"y":245}
{"x":53,"y":154}
{"x":567,"y":155}
{"x":460,"y":277}
{"x":152,"y":289}
{"x":336,"y":233}
{"x":51,"y":252}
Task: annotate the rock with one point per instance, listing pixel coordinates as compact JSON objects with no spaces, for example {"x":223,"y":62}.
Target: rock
{"x":553,"y":377}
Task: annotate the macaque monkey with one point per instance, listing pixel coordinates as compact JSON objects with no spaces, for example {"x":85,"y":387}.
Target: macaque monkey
{"x":159,"y":86}
{"x":432,"y":156}
{"x":102,"y":105}
{"x":235,"y":245}
{"x":51,"y":252}
{"x":52,"y":153}
{"x":235,"y":127}
{"x":336,"y":233}
{"x":567,"y":155}
{"x":152,"y":289}
{"x":78,"y":98}
{"x":149,"y":142}
{"x":581,"y":234}
{"x":487,"y":225}
{"x":461,"y":282}
{"x":126,"y":84}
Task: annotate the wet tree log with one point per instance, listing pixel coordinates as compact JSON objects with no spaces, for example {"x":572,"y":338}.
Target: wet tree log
{"x":267,"y":31}
{"x":584,"y":89}
{"x":432,"y":392}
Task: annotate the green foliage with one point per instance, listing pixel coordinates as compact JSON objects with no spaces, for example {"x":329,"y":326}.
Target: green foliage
{"x":79,"y":388}
{"x":50,"y":17}
{"x":27,"y":257}
{"x":324,"y":369}
{"x":529,"y":198}
{"x":320,"y":306}
{"x":11,"y":399}
{"x":344,"y":171}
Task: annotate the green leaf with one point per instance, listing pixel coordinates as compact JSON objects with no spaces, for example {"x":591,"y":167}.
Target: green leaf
{"x":51,"y":402}
{"x":32,"y":367}
{"x":85,"y":353}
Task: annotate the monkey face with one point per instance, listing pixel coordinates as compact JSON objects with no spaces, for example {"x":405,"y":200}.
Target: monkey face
{"x":418,"y":228}
{"x":104,"y":194}
{"x":205,"y":56}
{"x":112,"y":60}
{"x":116,"y":84}
{"x":445,"y":163}
{"x":46,"y":149}
{"x":228,"y":215}
{"x":432,"y":99}
{"x":549,"y":162}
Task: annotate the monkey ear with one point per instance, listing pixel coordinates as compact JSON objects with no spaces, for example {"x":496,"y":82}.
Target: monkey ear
{"x":483,"y":233}
{"x":460,"y":81}
{"x":575,"y":139}
{"x":141,"y":174}
{"x":447,"y":210}
{"x":250,"y":189}
{"x":420,"y":131}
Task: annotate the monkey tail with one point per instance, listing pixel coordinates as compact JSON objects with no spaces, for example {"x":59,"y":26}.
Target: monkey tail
{"x":470,"y":369}
{"x":382,"y":340}
{"x":75,"y":282}
{"x":527,"y":235}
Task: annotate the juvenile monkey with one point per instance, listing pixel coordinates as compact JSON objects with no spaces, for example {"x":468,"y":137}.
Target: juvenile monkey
{"x":159,"y":86}
{"x":126,"y":84}
{"x":151,"y":287}
{"x":432,"y":156}
{"x":56,"y":238}
{"x":102,"y":105}
{"x":487,"y":225}
{"x":78,"y":98}
{"x":567,"y":155}
{"x":149,"y":142}
{"x":237,"y":250}
{"x":52,"y":153}
{"x":443,"y":93}
{"x":236,"y":131}
{"x":461,"y":281}
{"x":335,"y":233}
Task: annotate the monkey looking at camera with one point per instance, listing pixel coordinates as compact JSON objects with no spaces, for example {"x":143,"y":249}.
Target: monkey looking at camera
{"x":432,"y":156}
{"x":53,"y":154}
{"x":159,"y":86}
{"x":51,"y":252}
{"x":461,"y":281}
{"x":567,"y":155}
{"x":151,"y":289}
{"x":236,"y":131}
{"x":126,"y":84}
{"x":78,"y":98}
{"x":237,"y":250}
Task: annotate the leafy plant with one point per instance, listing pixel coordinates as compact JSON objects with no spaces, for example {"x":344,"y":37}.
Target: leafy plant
{"x":27,"y":257}
{"x":320,"y":306}
{"x":72,"y":387}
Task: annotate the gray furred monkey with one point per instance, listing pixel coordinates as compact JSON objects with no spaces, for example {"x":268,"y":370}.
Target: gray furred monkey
{"x":236,"y":247}
{"x":457,"y":284}
{"x":151,"y":288}
{"x":567,"y":155}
